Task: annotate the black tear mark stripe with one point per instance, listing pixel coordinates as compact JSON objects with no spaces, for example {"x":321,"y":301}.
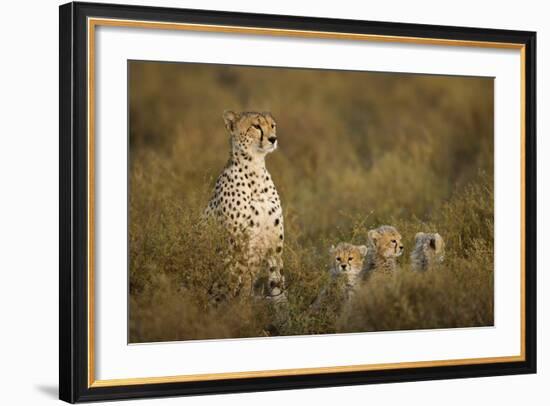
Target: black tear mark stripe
{"x":256,"y":126}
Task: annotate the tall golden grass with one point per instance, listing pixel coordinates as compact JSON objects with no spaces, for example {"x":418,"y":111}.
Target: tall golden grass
{"x":356,"y":150}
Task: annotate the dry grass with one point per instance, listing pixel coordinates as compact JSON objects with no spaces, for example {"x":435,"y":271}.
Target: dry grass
{"x":356,"y":150}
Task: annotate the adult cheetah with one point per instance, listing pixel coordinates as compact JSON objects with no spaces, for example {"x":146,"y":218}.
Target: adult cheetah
{"x":246,"y":202}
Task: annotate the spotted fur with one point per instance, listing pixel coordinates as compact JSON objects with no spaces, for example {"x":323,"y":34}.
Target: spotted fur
{"x":245,"y":199}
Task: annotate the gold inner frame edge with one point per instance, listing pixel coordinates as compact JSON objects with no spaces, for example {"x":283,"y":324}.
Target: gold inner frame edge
{"x":94,"y":22}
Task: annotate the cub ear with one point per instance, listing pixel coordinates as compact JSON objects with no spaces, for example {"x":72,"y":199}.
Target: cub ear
{"x":363,"y":250}
{"x":332,"y":249}
{"x":433,"y":241}
{"x":374,"y":235}
{"x":438,"y":241}
{"x":229,"y":118}
{"x":418,"y":235}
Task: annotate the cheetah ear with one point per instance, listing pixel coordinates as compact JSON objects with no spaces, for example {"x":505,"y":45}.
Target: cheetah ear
{"x":374,"y":236}
{"x":433,"y":242}
{"x":418,"y":235}
{"x":229,"y":118}
{"x":332,"y":249}
{"x":363,"y":250}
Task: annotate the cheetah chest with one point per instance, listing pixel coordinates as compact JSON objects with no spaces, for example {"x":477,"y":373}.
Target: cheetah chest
{"x":246,"y":200}
{"x":266,"y":225}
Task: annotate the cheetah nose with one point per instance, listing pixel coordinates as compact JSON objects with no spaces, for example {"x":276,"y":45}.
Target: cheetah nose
{"x":272,"y":139}
{"x":343,"y":266}
{"x":401,"y":247}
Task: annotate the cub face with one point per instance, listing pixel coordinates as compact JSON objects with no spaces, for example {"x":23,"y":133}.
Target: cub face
{"x":431,"y":245}
{"x":275,"y":283}
{"x":347,"y":258}
{"x":251,"y":132}
{"x":271,"y":283}
{"x":386,"y":241}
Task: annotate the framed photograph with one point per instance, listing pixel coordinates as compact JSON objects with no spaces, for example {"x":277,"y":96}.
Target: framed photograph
{"x":258,"y":202}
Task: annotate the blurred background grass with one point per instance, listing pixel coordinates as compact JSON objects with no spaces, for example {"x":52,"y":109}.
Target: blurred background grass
{"x":356,"y":150}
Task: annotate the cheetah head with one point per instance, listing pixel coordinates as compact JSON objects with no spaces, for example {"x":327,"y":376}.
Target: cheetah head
{"x":347,"y":258}
{"x":431,"y":244}
{"x":386,"y":241}
{"x":251,"y":133}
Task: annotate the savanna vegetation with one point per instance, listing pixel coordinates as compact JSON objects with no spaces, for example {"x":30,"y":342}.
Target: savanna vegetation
{"x":356,"y":150}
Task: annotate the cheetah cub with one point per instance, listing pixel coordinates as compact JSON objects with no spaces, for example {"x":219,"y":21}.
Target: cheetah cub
{"x":245,"y":199}
{"x":429,"y":250}
{"x":273,"y":286}
{"x":346,"y":271}
{"x":347,"y":261}
{"x":384,"y":248}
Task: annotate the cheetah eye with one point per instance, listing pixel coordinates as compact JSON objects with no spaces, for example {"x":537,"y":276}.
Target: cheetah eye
{"x":257,"y":127}
{"x":338,"y":259}
{"x":350,"y":259}
{"x":394,"y":241}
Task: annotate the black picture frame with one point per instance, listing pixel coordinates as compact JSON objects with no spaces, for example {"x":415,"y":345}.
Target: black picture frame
{"x":73,"y":254}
